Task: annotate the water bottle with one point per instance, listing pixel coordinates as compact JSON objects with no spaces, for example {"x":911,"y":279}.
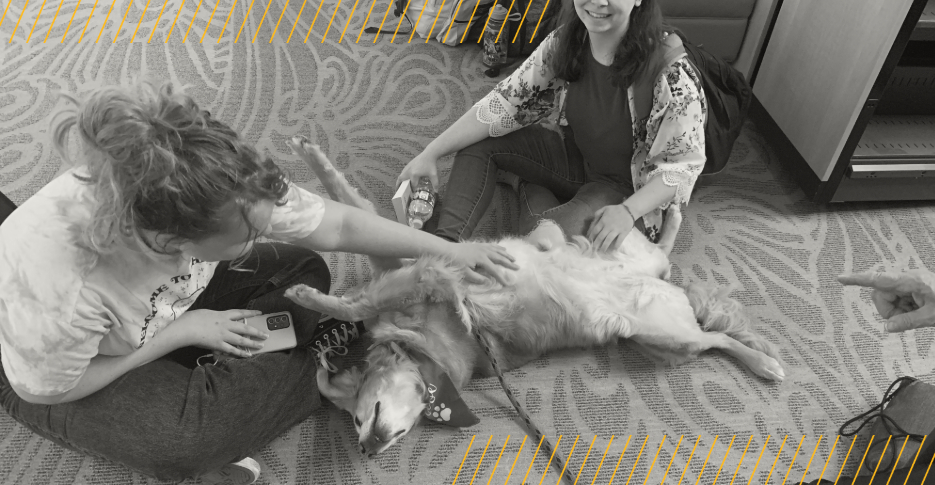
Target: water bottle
{"x":421,"y":203}
{"x":495,"y":52}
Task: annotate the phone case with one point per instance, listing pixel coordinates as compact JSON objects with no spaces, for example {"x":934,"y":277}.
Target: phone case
{"x":280,"y":328}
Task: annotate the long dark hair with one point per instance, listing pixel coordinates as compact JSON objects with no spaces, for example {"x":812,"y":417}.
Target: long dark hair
{"x":637,"y":55}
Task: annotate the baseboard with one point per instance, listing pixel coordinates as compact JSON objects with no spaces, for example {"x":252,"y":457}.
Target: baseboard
{"x":789,"y":156}
{"x":6,"y":207}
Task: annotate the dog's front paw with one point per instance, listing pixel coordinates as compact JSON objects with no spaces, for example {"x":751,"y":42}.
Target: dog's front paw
{"x":674,"y":212}
{"x":304,"y":295}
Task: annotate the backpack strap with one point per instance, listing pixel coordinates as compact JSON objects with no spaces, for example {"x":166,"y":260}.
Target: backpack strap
{"x":643,"y":89}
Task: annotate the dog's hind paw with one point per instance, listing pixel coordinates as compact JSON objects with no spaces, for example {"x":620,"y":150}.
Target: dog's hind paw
{"x":310,"y":153}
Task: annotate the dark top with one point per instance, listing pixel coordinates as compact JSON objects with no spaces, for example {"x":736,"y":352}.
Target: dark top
{"x":599,"y":116}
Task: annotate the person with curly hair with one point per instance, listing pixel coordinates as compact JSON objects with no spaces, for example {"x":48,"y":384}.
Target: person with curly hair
{"x":117,"y":276}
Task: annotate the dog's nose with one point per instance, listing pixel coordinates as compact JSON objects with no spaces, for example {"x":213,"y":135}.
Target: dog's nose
{"x":363,"y":450}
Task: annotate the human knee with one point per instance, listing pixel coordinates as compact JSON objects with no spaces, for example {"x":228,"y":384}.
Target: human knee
{"x":598,"y":195}
{"x":302,"y":265}
{"x":481,"y":150}
{"x":187,"y":458}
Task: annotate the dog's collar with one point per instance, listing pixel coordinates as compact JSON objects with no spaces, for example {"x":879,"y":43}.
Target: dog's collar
{"x":444,"y":405}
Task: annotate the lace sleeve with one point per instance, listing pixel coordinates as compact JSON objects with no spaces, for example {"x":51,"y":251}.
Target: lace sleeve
{"x":679,"y":147}
{"x":683,"y":179}
{"x":493,"y":111}
{"x":524,"y":97}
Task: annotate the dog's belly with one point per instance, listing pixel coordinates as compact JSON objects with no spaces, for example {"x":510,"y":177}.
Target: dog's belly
{"x":559,"y":298}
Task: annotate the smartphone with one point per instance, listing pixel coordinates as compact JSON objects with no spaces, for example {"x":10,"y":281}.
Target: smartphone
{"x":280,"y":328}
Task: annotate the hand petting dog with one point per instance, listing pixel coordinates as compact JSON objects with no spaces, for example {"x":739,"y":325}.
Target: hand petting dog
{"x":610,"y":227}
{"x":481,"y":256}
{"x":477,"y":259}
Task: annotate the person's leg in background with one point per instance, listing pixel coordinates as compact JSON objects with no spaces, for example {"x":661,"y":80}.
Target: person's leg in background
{"x":534,"y":153}
{"x":173,"y":419}
{"x":575,"y":216}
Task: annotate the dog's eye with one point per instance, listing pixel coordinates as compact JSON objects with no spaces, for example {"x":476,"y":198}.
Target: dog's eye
{"x":357,"y":421}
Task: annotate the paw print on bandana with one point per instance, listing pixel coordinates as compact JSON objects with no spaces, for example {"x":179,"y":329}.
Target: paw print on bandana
{"x":441,"y":413}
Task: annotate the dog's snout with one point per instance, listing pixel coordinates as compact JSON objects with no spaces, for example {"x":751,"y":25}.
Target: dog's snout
{"x":363,"y":449}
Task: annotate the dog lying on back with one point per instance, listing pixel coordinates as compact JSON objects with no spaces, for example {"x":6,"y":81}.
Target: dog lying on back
{"x":421,"y":315}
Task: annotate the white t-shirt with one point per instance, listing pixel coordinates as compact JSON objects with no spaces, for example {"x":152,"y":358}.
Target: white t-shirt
{"x":62,"y":304}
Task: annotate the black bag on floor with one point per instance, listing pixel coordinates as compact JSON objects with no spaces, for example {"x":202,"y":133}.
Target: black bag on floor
{"x":904,"y":427}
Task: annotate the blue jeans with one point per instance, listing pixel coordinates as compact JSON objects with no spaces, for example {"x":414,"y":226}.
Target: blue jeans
{"x":558,"y":186}
{"x":173,"y":419}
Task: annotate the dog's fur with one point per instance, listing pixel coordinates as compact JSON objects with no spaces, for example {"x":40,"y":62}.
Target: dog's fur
{"x":565,"y":294}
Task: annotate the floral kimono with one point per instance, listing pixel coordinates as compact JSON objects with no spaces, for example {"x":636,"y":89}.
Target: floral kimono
{"x":669,"y":142}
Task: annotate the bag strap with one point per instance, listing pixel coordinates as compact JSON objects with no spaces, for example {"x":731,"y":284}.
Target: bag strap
{"x":890,"y":393}
{"x":643,"y":88}
{"x":888,"y":423}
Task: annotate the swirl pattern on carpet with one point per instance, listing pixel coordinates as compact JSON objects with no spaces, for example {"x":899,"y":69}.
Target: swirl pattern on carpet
{"x":373,"y":107}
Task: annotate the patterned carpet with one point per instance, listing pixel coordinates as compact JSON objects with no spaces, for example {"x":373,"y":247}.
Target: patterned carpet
{"x":372,"y":108}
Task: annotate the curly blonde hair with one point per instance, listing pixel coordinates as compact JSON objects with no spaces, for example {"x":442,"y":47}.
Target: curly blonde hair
{"x":159,"y":163}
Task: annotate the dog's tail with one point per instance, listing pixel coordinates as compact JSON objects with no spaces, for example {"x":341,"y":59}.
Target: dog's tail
{"x":717,"y":312}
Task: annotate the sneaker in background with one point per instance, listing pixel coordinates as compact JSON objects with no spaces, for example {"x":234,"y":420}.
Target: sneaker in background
{"x":333,"y":336}
{"x":243,"y":472}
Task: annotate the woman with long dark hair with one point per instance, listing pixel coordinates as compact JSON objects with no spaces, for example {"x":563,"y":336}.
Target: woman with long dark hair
{"x":603,"y":123}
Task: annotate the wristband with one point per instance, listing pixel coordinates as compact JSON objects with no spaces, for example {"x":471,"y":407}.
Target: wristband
{"x":629,"y":212}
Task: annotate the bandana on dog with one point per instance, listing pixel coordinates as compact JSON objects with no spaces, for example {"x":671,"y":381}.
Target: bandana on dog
{"x":445,"y":406}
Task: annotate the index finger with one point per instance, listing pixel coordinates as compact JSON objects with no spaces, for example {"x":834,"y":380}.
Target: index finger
{"x":879,"y":280}
{"x":504,"y":260}
{"x":594,"y":230}
{"x":241,"y":314}
{"x":246,"y":330}
{"x":491,"y":270}
{"x":474,"y":277}
{"x":503,"y":252}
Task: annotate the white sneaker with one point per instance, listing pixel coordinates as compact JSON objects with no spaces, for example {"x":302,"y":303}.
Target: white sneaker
{"x":243,"y":472}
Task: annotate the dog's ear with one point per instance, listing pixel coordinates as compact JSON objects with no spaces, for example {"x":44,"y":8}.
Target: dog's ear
{"x":342,"y":389}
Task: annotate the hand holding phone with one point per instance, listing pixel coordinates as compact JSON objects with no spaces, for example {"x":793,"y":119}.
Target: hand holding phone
{"x":280,"y":328}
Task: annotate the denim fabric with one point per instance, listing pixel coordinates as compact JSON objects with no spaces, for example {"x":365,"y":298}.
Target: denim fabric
{"x":560,"y":186}
{"x":173,"y":419}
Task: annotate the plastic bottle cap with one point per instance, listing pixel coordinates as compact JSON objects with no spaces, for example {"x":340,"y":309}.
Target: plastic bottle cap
{"x":415,"y":224}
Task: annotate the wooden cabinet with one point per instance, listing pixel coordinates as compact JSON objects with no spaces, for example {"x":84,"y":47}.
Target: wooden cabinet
{"x":846,"y":90}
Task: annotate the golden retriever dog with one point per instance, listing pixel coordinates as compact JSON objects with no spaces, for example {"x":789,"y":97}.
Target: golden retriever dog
{"x":421,"y":314}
